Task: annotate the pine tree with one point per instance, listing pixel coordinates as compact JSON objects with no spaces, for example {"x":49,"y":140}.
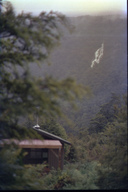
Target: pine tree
{"x":106,"y":114}
{"x":27,"y":39}
{"x":114,"y":150}
{"x":53,"y":127}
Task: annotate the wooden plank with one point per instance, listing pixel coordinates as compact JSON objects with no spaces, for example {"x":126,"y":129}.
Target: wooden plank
{"x":50,"y":144}
{"x":55,"y":154}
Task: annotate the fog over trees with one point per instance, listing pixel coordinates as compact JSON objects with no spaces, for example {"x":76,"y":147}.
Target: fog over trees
{"x":87,"y":106}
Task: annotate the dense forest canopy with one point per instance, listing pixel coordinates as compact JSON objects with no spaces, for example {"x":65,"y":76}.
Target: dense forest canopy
{"x":74,"y":57}
{"x":97,"y":158}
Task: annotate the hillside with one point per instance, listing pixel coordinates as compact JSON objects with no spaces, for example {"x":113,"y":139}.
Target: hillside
{"x":73,"y":59}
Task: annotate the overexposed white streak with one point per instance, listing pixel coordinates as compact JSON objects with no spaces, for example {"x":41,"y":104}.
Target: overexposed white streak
{"x":98,"y":55}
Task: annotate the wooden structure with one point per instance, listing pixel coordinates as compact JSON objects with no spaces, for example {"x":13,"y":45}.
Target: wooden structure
{"x":56,"y":154}
{"x":49,"y":151}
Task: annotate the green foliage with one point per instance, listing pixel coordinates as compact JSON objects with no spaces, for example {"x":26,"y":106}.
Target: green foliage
{"x":108,"y":147}
{"x":106,"y":114}
{"x":102,"y":154}
{"x":14,"y":175}
{"x":71,"y":155}
{"x":76,"y":53}
{"x":10,"y":166}
{"x":53,"y":127}
{"x":87,"y":147}
{"x":74,"y":176}
{"x":78,"y":176}
{"x":114,"y":148}
{"x":27,"y":39}
{"x":98,"y":161}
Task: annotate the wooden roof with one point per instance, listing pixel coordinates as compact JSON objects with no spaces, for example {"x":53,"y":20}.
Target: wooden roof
{"x":51,"y":136}
{"x":33,"y":143}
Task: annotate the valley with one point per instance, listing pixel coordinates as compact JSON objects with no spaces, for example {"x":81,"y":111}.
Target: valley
{"x":74,"y":56}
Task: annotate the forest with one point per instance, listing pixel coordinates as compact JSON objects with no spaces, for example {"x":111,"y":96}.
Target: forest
{"x":87,"y":107}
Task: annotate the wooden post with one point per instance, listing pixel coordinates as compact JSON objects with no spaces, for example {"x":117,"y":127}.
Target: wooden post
{"x":60,"y":157}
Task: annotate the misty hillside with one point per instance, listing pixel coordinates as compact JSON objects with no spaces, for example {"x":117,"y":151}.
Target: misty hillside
{"x":73,"y":59}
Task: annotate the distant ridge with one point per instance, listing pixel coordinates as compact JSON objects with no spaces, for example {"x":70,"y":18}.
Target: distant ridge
{"x":73,"y":59}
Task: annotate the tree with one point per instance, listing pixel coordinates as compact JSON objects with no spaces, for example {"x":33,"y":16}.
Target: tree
{"x":108,"y":146}
{"x":114,"y":151}
{"x":55,"y":128}
{"x":24,"y":39}
{"x":106,"y":114}
{"x":27,"y":39}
